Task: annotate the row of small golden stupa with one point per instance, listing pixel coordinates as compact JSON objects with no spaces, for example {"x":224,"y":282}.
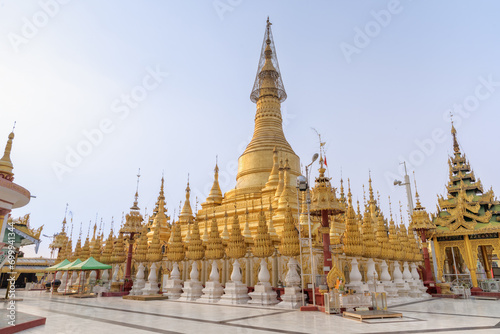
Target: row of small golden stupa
{"x":358,"y":236}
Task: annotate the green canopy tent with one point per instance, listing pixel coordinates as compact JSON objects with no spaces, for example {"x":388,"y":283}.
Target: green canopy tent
{"x":91,"y":264}
{"x":69,"y":265}
{"x":56,"y":267}
{"x":66,"y":268}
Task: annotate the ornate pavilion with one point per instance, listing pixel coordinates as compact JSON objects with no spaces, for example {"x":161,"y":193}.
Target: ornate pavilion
{"x":467,"y":222}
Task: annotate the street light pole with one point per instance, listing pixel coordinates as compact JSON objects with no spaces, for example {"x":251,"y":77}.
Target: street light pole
{"x":308,"y":201}
{"x":407,"y":184}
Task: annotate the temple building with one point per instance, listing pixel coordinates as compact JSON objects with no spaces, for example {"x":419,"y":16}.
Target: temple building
{"x":250,"y":236}
{"x":467,"y":223}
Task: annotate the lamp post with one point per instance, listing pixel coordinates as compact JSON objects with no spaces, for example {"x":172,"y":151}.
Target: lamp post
{"x":408,"y":188}
{"x":303,"y":183}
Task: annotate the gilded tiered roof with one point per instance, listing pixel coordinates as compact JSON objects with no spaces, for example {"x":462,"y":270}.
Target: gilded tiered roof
{"x":119,"y":255}
{"x":370,"y":247}
{"x":195,"y":249}
{"x":133,"y":220}
{"x":420,"y":220}
{"x":215,"y":247}
{"x":176,"y":251}
{"x":396,"y":249}
{"x":154,"y":249}
{"x":467,"y":208}
{"x":142,"y":247}
{"x":85,"y":254}
{"x":290,"y":244}
{"x":263,"y":245}
{"x":352,"y":238}
{"x":95,"y":251}
{"x":107,"y":252}
{"x":236,"y":247}
{"x":323,"y":195}
{"x":382,"y":239}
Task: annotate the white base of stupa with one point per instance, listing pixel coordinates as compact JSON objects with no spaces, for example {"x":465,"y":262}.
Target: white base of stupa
{"x":212,"y":292}
{"x":235,"y":293}
{"x":192,"y":291}
{"x":263,"y":294}
{"x":173,"y":288}
{"x":292,"y":298}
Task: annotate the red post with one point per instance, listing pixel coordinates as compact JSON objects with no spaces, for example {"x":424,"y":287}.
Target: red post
{"x":327,"y":255}
{"x":427,"y":263}
{"x":128,"y":268}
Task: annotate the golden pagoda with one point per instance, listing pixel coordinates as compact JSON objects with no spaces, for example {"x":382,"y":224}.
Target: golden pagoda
{"x":259,"y":175}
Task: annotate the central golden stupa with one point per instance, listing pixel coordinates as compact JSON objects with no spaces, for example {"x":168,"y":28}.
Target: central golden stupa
{"x":267,"y":169}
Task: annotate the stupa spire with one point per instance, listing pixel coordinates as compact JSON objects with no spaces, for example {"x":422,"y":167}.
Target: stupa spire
{"x":6,"y":166}
{"x":215,"y":195}
{"x":257,"y":161}
{"x":186,"y":214}
{"x":456,"y":147}
{"x":268,"y":80}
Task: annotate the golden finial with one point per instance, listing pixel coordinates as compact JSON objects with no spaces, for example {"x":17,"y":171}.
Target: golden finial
{"x":456,"y":147}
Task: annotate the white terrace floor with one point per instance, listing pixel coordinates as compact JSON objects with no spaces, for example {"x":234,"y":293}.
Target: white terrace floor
{"x":113,"y":315}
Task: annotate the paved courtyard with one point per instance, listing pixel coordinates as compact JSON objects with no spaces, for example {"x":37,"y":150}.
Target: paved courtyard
{"x":115,"y":315}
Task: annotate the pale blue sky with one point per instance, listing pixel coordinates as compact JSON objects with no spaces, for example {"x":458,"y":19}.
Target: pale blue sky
{"x":65,"y":77}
